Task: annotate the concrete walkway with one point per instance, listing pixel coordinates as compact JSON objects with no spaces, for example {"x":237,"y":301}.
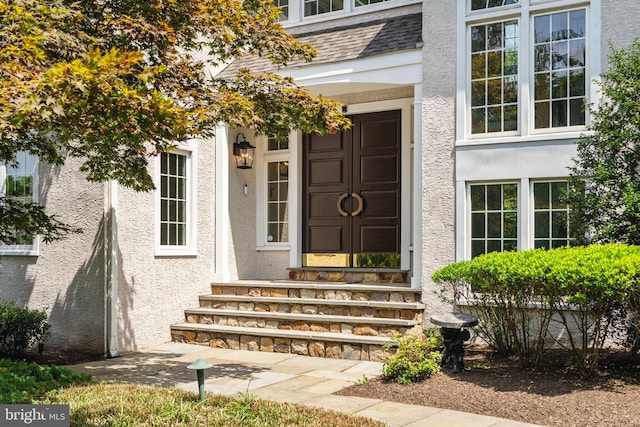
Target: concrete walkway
{"x":276,"y":376}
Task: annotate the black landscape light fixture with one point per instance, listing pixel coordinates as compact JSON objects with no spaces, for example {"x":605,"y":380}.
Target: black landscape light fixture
{"x":243,"y":152}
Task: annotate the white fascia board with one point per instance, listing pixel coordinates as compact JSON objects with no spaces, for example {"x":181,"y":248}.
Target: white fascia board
{"x":398,"y":68}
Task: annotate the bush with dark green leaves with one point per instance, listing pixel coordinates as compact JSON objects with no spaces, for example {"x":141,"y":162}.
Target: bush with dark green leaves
{"x":517,"y":296}
{"x":20,"y":328}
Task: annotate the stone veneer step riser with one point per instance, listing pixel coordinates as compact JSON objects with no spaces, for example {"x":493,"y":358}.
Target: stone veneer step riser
{"x":400,"y":295}
{"x":326,"y":310}
{"x":315,"y":325}
{"x":313,"y":348}
{"x":348,"y":276}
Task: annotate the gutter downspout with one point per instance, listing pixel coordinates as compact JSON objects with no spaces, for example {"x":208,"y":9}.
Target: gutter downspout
{"x":111,"y":270}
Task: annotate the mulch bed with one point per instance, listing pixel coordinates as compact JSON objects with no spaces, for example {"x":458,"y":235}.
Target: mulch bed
{"x":556,"y":395}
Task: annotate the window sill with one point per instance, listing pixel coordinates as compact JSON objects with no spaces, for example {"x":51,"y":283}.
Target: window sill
{"x":19,"y":252}
{"x":528,"y":138}
{"x":191,"y":253}
{"x":273,"y":248}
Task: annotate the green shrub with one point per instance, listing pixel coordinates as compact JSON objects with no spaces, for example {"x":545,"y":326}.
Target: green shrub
{"x":20,"y":328}
{"x":22,"y":382}
{"x":516,"y":296}
{"x":416,"y":358}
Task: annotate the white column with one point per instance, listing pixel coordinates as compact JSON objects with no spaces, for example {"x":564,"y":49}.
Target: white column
{"x":222,"y":205}
{"x":416,"y":279}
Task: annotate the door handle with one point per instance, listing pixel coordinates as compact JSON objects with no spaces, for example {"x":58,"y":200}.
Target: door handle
{"x":360,"y":207}
{"x":341,"y":198}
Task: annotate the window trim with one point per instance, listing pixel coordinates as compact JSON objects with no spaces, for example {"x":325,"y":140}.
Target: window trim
{"x":34,"y":248}
{"x":468,"y":212}
{"x":190,"y":249}
{"x":262,"y":205}
{"x":524,"y":11}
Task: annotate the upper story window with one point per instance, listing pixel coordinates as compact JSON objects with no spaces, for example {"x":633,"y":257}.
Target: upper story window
{"x":486,"y":4}
{"x":284,"y":9}
{"x":318,"y":7}
{"x":560,"y":57}
{"x":527,"y":68}
{"x":494,"y":77}
{"x":19,"y":182}
{"x":359,"y":3}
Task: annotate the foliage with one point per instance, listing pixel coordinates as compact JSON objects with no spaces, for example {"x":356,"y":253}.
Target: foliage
{"x":415,"y":359}
{"x":20,"y":328}
{"x":518,"y":296}
{"x":23,"y":382}
{"x":114,"y":83}
{"x":129,"y":405}
{"x":609,"y":159}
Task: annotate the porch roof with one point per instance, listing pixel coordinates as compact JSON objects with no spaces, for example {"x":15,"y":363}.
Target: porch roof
{"x":346,"y":43}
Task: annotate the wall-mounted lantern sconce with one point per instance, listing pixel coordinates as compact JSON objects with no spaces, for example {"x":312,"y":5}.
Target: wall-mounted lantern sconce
{"x":243,"y":152}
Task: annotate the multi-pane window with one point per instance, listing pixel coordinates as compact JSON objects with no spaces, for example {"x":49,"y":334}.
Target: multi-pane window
{"x":494,"y":77}
{"x":317,"y":7}
{"x":494,"y":218}
{"x":551,"y":214}
{"x":17,"y":182}
{"x":275,"y":144}
{"x":278,"y":201}
{"x":486,"y":4}
{"x":284,"y":9}
{"x":560,"y":47}
{"x":367,"y":2}
{"x":174,"y":200}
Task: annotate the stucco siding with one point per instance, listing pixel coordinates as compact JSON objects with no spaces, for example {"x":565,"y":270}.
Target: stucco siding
{"x":154,"y":290}
{"x":67,"y":277}
{"x":438,"y":130}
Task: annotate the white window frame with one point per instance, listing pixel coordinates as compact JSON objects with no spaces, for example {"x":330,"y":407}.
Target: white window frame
{"x":296,"y":11}
{"x":524,"y":12}
{"x":532,"y":210}
{"x":468,"y":213}
{"x":190,"y":248}
{"x":22,"y":250}
{"x":262,"y":214}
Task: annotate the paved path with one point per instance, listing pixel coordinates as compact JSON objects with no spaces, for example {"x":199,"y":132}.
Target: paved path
{"x":276,"y":376}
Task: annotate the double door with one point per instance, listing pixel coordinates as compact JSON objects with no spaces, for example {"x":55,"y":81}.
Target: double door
{"x":351,"y":194}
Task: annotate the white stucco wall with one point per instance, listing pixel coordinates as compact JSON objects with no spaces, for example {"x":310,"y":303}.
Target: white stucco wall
{"x":154,"y":290}
{"x":67,"y":277}
{"x":438,"y":139}
{"x":620,"y":24}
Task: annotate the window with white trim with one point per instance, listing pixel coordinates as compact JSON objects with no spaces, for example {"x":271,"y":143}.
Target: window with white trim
{"x":494,"y":218}
{"x":318,"y":7}
{"x":284,"y":9}
{"x":19,"y":182}
{"x":527,"y":67}
{"x":175,"y":202}
{"x":277,"y":165}
{"x":552,"y":213}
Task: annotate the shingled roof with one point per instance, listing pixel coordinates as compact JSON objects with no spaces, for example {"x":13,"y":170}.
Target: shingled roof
{"x":347,"y":43}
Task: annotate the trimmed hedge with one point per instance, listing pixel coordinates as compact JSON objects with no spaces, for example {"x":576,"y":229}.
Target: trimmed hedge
{"x":517,"y":296}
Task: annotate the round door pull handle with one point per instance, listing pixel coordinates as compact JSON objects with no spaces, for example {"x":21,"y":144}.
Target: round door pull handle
{"x":341,"y":198}
{"x":360,"y":207}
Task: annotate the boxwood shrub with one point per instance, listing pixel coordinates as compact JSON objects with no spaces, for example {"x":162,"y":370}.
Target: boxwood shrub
{"x":520,"y":296}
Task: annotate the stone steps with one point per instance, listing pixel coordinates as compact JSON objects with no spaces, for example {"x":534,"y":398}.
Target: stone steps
{"x":327,"y":319}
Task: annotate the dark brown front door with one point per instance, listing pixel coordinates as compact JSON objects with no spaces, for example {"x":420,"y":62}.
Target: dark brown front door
{"x":351,"y":185}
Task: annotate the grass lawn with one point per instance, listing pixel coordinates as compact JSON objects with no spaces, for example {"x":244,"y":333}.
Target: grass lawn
{"x":129,"y":405}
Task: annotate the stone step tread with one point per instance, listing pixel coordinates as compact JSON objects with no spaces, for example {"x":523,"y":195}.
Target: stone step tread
{"x":309,"y":318}
{"x":341,"y":286}
{"x":315,"y":301}
{"x":285,"y":333}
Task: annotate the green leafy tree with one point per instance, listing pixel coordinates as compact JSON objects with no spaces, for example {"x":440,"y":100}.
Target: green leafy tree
{"x":115,"y":82}
{"x":609,"y":157}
